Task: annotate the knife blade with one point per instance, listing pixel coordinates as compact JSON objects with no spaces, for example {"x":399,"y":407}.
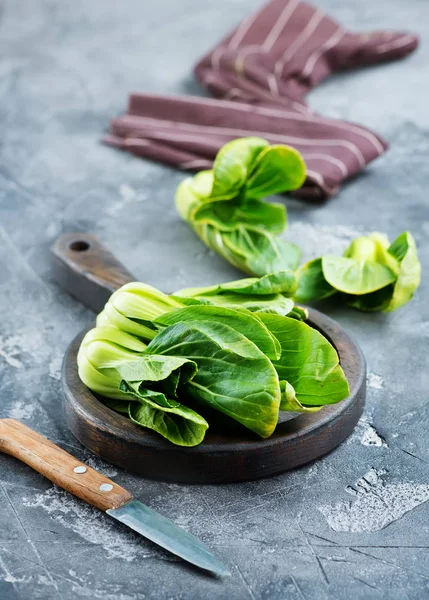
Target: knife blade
{"x":168,"y":535}
{"x":63,"y":469}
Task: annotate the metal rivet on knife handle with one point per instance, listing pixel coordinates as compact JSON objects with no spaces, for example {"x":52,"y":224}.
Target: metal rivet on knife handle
{"x":81,"y":469}
{"x":106,"y":487}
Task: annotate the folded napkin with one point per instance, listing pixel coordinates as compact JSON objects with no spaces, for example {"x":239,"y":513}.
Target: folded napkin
{"x":261,"y":74}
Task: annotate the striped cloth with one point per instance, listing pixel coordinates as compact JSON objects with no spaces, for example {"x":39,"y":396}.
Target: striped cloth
{"x":260,"y":75}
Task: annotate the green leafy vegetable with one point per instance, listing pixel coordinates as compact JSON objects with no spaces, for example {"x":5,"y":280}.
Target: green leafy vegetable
{"x":101,"y":349}
{"x":282,"y":282}
{"x":205,"y":356}
{"x":290,"y":402}
{"x":178,"y":424}
{"x":115,"y":365}
{"x":133,"y":307}
{"x":261,"y":169}
{"x":312,"y":284}
{"x":356,"y":277}
{"x":403,"y":249}
{"x":243,"y":321}
{"x":308,"y":363}
{"x":372,"y":275}
{"x":270,"y":293}
{"x":226,"y":209}
{"x":233,"y":375}
{"x":298,"y":312}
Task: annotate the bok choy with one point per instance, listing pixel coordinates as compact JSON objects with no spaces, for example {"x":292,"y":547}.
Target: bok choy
{"x":372,"y":275}
{"x":168,"y":362}
{"x":225,"y":205}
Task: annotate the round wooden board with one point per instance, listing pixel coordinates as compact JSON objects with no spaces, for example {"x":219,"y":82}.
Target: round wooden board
{"x":221,"y":458}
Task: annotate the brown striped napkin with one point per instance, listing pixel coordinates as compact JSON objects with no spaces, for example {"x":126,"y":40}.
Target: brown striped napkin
{"x":261,"y":74}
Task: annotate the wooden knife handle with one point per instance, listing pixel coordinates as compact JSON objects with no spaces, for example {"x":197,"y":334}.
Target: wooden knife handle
{"x":59,"y":466}
{"x":87,"y":270}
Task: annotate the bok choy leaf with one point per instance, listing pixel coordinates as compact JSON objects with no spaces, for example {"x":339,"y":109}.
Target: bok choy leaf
{"x":133,"y":307}
{"x":233,"y":377}
{"x":243,"y":321}
{"x":308,"y":363}
{"x":270,"y":293}
{"x":225,"y":205}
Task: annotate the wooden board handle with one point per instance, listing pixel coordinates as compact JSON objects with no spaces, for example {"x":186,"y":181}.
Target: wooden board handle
{"x":59,"y":466}
{"x":87,"y":270}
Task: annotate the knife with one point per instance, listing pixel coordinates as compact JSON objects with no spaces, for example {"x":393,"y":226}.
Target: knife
{"x":86,"y":483}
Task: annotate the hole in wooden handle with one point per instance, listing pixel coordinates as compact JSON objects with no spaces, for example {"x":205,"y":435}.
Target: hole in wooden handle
{"x":79,"y":246}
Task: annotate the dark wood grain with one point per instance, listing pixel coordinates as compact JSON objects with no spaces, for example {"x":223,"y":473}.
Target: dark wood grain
{"x":237,"y":455}
{"x":86,"y":269}
{"x":58,"y":466}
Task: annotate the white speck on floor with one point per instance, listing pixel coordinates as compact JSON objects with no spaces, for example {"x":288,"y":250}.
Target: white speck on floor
{"x":370,"y":437}
{"x":407,"y":417}
{"x":55,"y":367}
{"x":74,"y":574}
{"x":367,"y":433}
{"x":22,"y":411}
{"x":13,"y":362}
{"x":103,"y":594}
{"x":53,"y":229}
{"x":321,"y":240}
{"x":128,"y":195}
{"x":92,"y":525}
{"x":26,"y":341}
{"x":377,"y":504}
{"x":376,"y":382}
{"x":100,"y":466}
{"x":8,"y":578}
{"x":44,"y":580}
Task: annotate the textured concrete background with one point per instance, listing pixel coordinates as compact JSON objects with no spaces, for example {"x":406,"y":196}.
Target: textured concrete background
{"x":65,"y":68}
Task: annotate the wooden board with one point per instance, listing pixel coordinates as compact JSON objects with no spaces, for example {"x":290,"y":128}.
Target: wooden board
{"x":90,"y":273}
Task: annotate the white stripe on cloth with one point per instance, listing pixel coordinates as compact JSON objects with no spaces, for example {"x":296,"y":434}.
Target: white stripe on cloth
{"x":196,"y":164}
{"x":294,"y":141}
{"x":236,"y":39}
{"x":130,"y":141}
{"x":332,"y":159}
{"x":231,"y":93}
{"x":313,"y":175}
{"x":242,"y":55}
{"x":216,"y":57}
{"x":242,"y":29}
{"x":314,"y":57}
{"x":234,"y":131}
{"x":319,"y":179}
{"x":261,"y":92}
{"x":308,"y":30}
{"x":399,"y":43}
{"x":272,"y":83}
{"x":278,"y":27}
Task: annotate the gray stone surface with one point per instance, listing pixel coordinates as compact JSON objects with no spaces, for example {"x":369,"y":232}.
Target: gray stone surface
{"x":66,"y":67}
